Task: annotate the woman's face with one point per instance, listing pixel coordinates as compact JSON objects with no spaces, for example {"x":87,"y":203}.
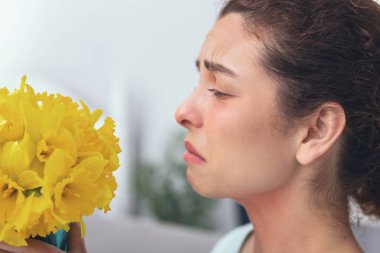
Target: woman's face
{"x":231,"y":118}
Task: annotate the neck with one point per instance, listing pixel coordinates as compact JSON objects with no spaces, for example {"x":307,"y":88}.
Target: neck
{"x":286,"y":221}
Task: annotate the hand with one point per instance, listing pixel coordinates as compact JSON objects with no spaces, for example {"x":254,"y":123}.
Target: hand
{"x":76,"y":244}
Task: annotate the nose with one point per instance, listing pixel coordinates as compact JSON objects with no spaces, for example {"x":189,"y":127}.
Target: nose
{"x":188,"y":114}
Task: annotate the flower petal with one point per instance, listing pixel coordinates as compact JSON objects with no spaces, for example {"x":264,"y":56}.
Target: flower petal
{"x":57,"y":167}
{"x":16,"y":156}
{"x":29,"y":179}
{"x":10,"y":236}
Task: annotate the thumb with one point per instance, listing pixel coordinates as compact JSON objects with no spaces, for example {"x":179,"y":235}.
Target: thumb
{"x":76,"y":242}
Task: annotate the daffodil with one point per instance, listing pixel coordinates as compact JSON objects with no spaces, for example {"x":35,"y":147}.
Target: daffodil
{"x":55,"y":166}
{"x":11,"y":198}
{"x":77,"y":194}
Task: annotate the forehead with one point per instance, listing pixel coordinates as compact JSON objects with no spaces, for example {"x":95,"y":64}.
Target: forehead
{"x":228,"y":41}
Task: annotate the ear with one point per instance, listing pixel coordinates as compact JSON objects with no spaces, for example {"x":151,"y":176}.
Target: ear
{"x":320,"y":132}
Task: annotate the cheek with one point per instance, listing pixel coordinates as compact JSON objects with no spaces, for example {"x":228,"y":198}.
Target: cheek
{"x":248,"y":155}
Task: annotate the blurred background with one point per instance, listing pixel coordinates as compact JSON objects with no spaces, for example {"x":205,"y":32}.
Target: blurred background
{"x":136,"y":61}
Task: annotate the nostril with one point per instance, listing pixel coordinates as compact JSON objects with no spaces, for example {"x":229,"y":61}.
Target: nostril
{"x":185,"y":123}
{"x":188,"y":115}
{"x":179,"y":117}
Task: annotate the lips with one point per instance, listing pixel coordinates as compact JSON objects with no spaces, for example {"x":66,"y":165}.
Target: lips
{"x":191,"y":155}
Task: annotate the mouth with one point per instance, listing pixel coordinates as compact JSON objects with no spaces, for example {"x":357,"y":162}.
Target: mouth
{"x":191,"y":155}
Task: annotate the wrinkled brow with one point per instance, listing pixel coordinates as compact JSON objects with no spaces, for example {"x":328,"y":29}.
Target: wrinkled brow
{"x":215,"y":67}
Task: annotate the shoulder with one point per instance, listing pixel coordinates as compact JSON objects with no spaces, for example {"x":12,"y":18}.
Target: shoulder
{"x":233,"y":241}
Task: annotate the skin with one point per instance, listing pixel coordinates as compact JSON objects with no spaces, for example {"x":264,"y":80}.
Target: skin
{"x":243,"y":120}
{"x":251,"y":155}
{"x":76,"y":244}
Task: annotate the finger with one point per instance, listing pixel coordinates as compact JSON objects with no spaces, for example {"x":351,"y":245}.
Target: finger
{"x":76,"y":242}
{"x":8,"y":248}
{"x":36,"y":246}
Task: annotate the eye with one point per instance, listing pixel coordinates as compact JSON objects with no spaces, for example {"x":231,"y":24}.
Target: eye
{"x":218,"y":94}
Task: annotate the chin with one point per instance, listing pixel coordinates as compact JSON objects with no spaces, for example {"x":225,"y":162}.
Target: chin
{"x":204,"y":189}
{"x":207,"y":193}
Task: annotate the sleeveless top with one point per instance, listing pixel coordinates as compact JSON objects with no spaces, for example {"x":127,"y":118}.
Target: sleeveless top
{"x":233,"y":241}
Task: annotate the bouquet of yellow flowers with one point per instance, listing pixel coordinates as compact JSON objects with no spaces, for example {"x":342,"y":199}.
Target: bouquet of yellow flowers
{"x":55,"y":166}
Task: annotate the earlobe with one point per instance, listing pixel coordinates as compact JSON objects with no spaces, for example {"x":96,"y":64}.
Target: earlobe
{"x":320,"y":133}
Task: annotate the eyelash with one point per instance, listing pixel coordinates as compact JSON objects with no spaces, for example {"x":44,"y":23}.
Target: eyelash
{"x":218,"y":94}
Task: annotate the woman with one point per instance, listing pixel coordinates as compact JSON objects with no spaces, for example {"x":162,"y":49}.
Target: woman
{"x":286,"y":121}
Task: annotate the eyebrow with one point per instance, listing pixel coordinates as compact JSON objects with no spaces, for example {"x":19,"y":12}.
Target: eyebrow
{"x":215,"y":67}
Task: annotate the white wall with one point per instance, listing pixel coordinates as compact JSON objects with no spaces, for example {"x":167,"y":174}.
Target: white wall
{"x":134,"y":59}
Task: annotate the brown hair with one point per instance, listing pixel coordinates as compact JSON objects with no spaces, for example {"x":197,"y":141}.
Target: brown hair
{"x":327,"y":51}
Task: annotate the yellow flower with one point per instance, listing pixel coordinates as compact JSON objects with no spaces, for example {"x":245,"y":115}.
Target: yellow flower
{"x":107,"y":184}
{"x":107,"y":134}
{"x":11,"y":198}
{"x":77,"y":194}
{"x":26,"y":221}
{"x":55,"y":166}
{"x":16,"y":156}
{"x":11,"y":121}
{"x":9,"y":235}
{"x":62,"y":139}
